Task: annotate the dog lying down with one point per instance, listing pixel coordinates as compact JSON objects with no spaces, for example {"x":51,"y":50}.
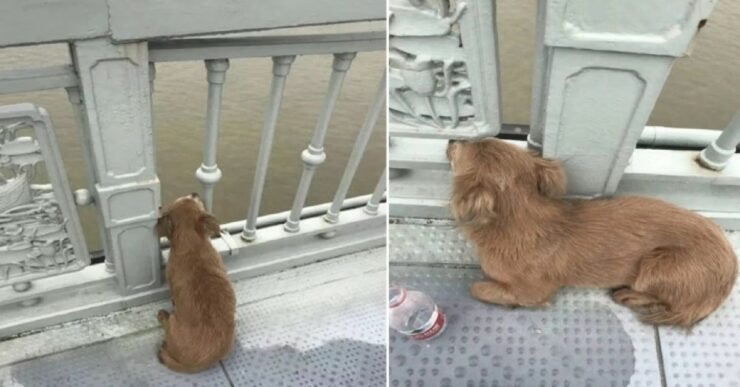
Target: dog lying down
{"x":200,"y":331}
{"x":672,"y":266}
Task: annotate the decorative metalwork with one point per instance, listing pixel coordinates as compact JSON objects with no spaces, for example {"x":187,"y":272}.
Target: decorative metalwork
{"x":443,"y":68}
{"x":428,"y":76}
{"x":36,"y":239}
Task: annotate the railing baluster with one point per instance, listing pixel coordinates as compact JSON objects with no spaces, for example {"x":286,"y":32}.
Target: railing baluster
{"x":280,"y":69}
{"x":372,"y":205}
{"x":718,"y":153}
{"x":208,"y":173}
{"x":314,"y":155}
{"x":332,"y":215}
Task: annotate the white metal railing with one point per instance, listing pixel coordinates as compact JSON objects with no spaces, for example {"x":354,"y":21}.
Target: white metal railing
{"x":110,"y":87}
{"x":718,"y":154}
{"x":597,"y":76}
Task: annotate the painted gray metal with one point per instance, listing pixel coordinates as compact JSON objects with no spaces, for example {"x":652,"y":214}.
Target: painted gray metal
{"x":443,"y":71}
{"x":280,"y":69}
{"x":363,"y":136}
{"x":35,"y":79}
{"x":265,"y":46}
{"x":314,"y":154}
{"x":136,"y":20}
{"x":598,"y":81}
{"x":372,"y":205}
{"x":41,"y":232}
{"x":208,"y":173}
{"x":115,"y":85}
{"x":718,"y":154}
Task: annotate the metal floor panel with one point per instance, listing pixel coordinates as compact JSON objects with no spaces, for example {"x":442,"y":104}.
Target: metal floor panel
{"x":333,"y":334}
{"x":579,"y":341}
{"x":313,"y":325}
{"x":440,"y":242}
{"x":709,"y":355}
{"x":583,"y":339}
{"x":128,"y":361}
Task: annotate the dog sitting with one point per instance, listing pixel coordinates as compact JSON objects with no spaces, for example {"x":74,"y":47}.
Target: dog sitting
{"x":671,"y":265}
{"x":200,"y":331}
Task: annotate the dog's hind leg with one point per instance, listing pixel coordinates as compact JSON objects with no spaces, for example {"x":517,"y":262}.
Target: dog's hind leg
{"x":521,"y":295}
{"x":634,"y":299}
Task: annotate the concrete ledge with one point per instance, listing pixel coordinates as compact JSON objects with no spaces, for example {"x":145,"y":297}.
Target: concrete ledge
{"x":424,"y":189}
{"x":136,"y":20}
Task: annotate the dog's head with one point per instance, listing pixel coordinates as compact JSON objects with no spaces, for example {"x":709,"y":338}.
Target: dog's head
{"x":493,"y":177}
{"x":186,"y":213}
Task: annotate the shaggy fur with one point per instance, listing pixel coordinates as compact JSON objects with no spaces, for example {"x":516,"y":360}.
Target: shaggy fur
{"x":200,"y":331}
{"x":671,"y":265}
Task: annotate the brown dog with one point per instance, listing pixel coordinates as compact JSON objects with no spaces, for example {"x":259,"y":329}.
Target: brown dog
{"x":201,"y":330}
{"x":672,"y":265}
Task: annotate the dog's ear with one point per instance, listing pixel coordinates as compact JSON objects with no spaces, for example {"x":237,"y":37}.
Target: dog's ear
{"x":208,"y":225}
{"x":164,"y":225}
{"x":550,"y":178}
{"x":474,"y":206}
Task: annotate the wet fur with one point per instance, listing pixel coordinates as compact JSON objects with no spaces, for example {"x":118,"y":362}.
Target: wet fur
{"x":671,"y":265}
{"x":200,"y":331}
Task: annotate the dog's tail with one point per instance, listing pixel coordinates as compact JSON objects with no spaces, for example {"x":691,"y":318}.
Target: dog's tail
{"x":686,"y":318}
{"x":689,"y":290}
{"x":172,"y":363}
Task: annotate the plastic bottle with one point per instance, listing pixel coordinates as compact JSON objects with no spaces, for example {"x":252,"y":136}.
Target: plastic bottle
{"x":414,"y":314}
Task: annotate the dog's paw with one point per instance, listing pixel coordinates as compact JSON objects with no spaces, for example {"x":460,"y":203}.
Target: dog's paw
{"x":163,"y":315}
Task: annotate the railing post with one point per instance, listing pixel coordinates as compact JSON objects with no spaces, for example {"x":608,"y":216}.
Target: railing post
{"x":280,"y":70}
{"x":598,"y":75}
{"x":332,"y":215}
{"x":717,"y":154}
{"x":372,"y":205}
{"x":114,"y":80}
{"x":314,"y":155}
{"x":208,"y":173}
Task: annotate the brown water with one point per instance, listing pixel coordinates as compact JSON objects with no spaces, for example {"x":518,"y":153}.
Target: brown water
{"x":179,"y":115}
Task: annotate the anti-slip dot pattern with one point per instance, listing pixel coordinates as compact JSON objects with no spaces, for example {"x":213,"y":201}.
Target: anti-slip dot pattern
{"x":316,"y":327}
{"x":413,"y":243}
{"x":442,"y":244}
{"x":709,"y":355}
{"x":579,"y":343}
{"x":128,"y":361}
{"x":332,"y":334}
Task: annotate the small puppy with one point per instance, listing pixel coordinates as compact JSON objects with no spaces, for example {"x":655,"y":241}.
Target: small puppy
{"x":200,"y":331}
{"x":671,"y":265}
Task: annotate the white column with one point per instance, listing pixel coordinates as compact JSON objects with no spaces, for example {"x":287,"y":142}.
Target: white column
{"x":598,"y":75}
{"x":280,"y":69}
{"x":314,"y":155}
{"x":115,"y":85}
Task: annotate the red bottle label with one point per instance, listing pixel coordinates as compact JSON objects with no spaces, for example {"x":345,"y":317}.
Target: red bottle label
{"x":434,"y":330}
